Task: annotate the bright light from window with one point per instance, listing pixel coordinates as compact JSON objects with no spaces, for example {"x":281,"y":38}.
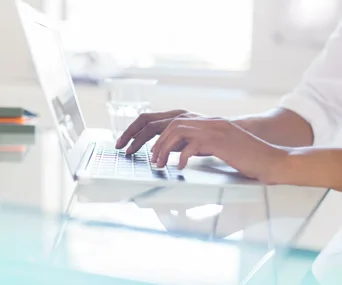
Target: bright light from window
{"x":308,"y":13}
{"x":190,"y":34}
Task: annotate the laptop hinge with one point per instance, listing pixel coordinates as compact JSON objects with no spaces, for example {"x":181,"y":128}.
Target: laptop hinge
{"x":86,"y":158}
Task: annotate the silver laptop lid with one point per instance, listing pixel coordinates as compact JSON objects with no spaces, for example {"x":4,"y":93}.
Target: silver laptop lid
{"x":56,"y":82}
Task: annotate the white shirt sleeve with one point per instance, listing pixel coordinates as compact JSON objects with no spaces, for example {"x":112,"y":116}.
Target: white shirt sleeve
{"x":318,"y":98}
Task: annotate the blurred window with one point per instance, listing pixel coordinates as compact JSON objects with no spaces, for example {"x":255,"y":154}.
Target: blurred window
{"x":162,"y":34}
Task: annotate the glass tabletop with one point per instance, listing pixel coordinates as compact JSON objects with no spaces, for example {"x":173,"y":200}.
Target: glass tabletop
{"x":54,"y":228}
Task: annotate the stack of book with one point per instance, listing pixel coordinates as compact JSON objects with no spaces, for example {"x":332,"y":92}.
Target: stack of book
{"x":17,"y":120}
{"x":17,"y":133}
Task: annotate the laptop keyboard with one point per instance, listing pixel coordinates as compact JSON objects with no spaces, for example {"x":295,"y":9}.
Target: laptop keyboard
{"x":107,"y":161}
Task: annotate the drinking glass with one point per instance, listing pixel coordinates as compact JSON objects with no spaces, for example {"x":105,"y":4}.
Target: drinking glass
{"x":127,"y":98}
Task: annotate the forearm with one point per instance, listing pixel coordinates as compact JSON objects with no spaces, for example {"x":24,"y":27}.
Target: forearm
{"x":280,"y":127}
{"x":302,"y":166}
{"x":309,"y":166}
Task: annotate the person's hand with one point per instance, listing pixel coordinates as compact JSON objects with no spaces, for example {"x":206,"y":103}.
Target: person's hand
{"x":201,"y":136}
{"x":199,"y":142}
{"x":148,"y":125}
{"x":221,"y":138}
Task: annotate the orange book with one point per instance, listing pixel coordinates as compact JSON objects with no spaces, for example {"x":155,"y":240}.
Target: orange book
{"x":18,"y":120}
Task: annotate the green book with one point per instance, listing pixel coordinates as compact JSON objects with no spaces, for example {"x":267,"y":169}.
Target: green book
{"x":26,"y":128}
{"x":15,"y":112}
{"x":9,"y":139}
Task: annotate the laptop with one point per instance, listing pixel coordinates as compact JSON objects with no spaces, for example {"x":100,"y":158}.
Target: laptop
{"x":90,"y":153}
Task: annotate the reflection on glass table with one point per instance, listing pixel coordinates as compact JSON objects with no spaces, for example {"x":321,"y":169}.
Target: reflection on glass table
{"x":49,"y":246}
{"x":85,"y":251}
{"x":262,"y":236}
{"x":15,"y":147}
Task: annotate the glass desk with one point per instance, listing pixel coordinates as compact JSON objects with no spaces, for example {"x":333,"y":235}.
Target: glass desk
{"x":54,"y":233}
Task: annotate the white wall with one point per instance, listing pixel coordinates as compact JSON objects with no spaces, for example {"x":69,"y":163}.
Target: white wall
{"x":15,"y":60}
{"x":15,"y":63}
{"x":38,"y":4}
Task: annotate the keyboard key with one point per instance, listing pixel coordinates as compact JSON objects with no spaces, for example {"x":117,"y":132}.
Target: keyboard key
{"x":159,"y":174}
{"x":141,"y":167}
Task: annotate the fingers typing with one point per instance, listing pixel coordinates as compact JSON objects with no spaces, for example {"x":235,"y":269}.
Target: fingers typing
{"x":147,"y":133}
{"x":140,"y":123}
{"x":171,"y":139}
{"x":190,"y":150}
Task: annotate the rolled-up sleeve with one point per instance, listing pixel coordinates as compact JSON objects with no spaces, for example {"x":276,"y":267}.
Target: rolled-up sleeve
{"x":318,"y":98}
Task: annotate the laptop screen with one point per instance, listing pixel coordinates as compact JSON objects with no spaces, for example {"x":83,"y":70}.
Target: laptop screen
{"x":56,"y":82}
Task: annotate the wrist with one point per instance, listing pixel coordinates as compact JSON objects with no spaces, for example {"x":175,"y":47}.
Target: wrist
{"x":277,"y":164}
{"x":249,"y":124}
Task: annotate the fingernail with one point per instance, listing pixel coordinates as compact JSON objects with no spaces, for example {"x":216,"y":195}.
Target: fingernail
{"x":118,"y":142}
